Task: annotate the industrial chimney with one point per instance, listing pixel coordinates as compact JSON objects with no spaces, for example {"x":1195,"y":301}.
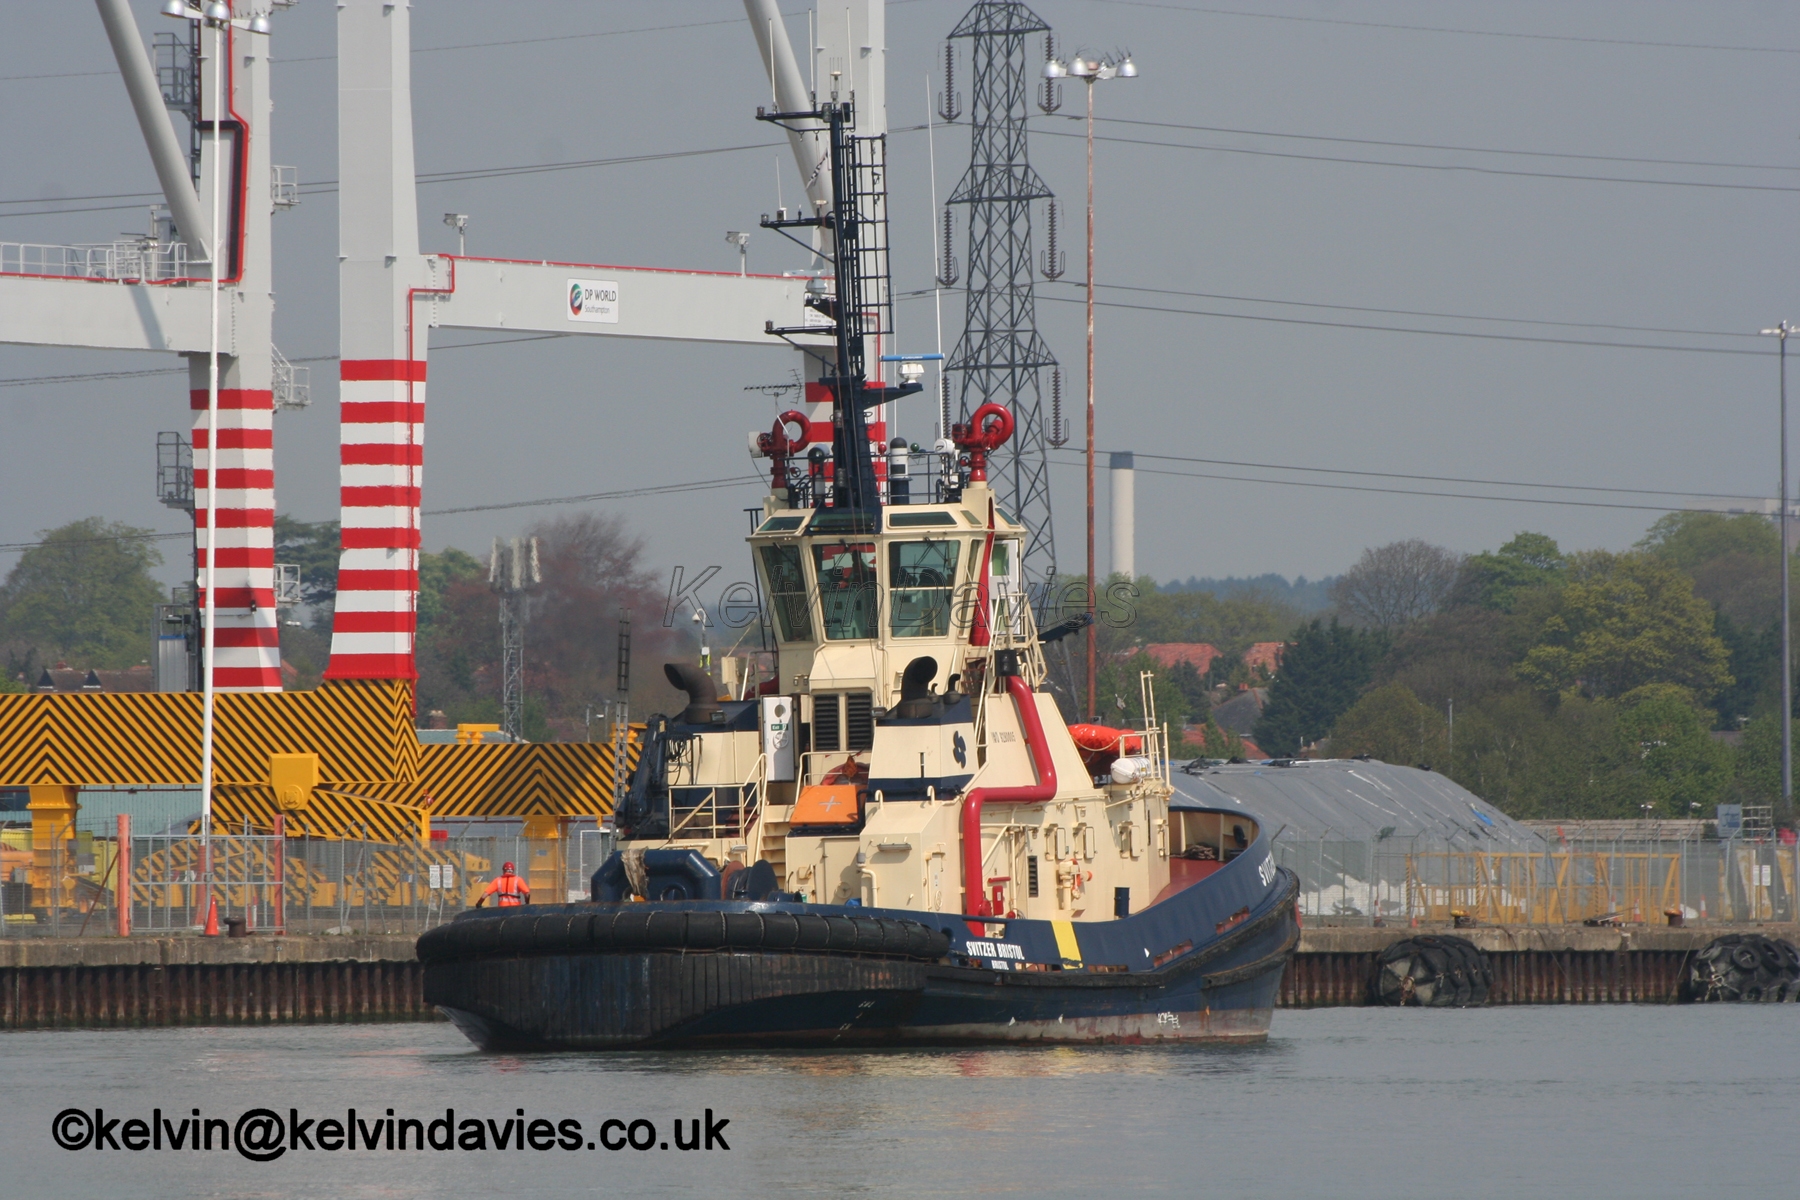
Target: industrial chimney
{"x":1124,"y":514}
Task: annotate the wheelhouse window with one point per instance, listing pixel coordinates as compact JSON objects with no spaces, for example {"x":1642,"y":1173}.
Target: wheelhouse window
{"x":923,"y":576}
{"x":787,"y":592}
{"x":847,"y":588}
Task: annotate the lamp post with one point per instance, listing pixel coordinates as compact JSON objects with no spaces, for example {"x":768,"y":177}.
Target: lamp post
{"x":214,"y":15}
{"x":460,"y":223}
{"x":1781,"y":332}
{"x":1090,"y":71}
{"x":741,"y":240}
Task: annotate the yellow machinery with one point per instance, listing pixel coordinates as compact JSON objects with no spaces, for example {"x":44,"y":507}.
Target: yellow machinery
{"x":340,"y":762}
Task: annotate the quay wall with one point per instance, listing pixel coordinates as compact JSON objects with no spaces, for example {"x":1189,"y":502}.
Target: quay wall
{"x":1532,"y":964}
{"x":76,"y":983}
{"x":87,"y":983}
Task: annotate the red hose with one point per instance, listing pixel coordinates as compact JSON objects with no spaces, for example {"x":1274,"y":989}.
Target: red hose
{"x":975,"y":903}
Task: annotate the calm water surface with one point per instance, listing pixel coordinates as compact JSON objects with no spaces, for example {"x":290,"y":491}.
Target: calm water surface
{"x":1604,"y":1101}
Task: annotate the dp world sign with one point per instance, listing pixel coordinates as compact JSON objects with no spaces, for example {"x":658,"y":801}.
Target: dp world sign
{"x":594,"y":300}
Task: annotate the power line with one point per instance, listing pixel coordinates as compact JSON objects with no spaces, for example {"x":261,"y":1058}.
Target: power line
{"x":108,"y":376}
{"x":1496,"y":33}
{"x":1413,"y":312}
{"x":1458,"y":333}
{"x":122,"y":537}
{"x":703,"y":485}
{"x":568,"y":37}
{"x":1320,"y":137}
{"x":1475,"y":170}
{"x":329,"y":186}
{"x":1567,"y":487}
{"x":1353,"y":487}
{"x":1405,"y":312}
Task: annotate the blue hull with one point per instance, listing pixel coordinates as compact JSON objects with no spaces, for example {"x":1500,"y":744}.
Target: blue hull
{"x":1203,"y":965}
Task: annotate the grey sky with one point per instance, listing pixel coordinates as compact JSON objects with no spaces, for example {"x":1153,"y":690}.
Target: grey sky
{"x":554,"y":418}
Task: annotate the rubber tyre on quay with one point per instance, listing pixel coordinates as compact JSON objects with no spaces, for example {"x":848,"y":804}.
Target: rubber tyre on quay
{"x":1743,"y":968}
{"x":1432,"y":971}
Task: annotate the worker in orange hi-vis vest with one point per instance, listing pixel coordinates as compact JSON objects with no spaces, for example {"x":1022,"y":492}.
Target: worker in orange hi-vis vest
{"x":509,"y":887}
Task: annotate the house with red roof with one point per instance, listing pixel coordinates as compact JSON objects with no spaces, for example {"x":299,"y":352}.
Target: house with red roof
{"x":1168,"y":655}
{"x":1266,"y":655}
{"x":1194,"y":737}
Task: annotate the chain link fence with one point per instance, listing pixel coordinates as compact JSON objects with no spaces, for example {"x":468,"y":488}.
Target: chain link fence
{"x":1432,"y":880}
{"x":296,"y":885}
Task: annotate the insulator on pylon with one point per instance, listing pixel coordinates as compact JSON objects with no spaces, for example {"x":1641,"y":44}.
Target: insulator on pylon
{"x":949,"y":103}
{"x":1050,"y":96}
{"x":946,"y":275}
{"x":1055,"y":261}
{"x":1059,"y":429}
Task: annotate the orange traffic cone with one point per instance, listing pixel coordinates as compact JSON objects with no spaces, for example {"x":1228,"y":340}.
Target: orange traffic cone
{"x":212,"y":917}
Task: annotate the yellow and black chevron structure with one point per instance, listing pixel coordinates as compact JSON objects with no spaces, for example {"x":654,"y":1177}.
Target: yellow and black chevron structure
{"x":374,"y":779}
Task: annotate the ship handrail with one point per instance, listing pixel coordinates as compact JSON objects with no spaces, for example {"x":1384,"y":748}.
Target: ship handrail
{"x":748,"y":814}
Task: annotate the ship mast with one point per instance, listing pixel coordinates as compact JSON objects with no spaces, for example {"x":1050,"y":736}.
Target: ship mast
{"x":857,"y":303}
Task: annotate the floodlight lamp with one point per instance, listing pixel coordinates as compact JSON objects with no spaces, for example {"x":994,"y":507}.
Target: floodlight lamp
{"x":218,"y":10}
{"x":1084,"y":68}
{"x":1128,"y":69}
{"x":177,"y":9}
{"x":1052,"y":69}
{"x":259,"y":23}
{"x":816,"y":286}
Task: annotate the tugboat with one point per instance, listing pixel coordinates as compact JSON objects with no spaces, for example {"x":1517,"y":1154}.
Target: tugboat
{"x":897,"y":839}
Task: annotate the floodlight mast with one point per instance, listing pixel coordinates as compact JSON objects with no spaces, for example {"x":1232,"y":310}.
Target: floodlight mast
{"x":1090,"y":70}
{"x":216,"y":15}
{"x":1781,"y":333}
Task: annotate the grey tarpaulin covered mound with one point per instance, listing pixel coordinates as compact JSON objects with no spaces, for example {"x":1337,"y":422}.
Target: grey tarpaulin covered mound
{"x":1745,"y":968}
{"x":1351,"y":799}
{"x":1432,"y":971}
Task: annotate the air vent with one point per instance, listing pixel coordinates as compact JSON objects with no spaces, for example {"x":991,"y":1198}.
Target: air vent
{"x":826,"y":725}
{"x":859,"y":720}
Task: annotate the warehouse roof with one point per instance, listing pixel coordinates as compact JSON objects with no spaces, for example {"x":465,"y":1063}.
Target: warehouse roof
{"x":1353,"y":800}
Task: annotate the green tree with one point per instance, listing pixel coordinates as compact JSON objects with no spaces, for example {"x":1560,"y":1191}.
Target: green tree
{"x":1755,"y":666}
{"x":1231,"y":623}
{"x":1206,"y":740}
{"x":313,"y":547}
{"x":436,"y":573}
{"x":1495,"y":581}
{"x":1733,"y":559}
{"x":1323,"y":670}
{"x":1389,"y":723}
{"x":1688,"y":539}
{"x":1624,"y":621}
{"x":84,"y":595}
{"x":1680,"y":768}
{"x":1121,"y":698}
{"x":1756,"y":773}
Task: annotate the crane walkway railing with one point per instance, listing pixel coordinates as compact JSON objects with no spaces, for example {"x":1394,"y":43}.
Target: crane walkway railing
{"x":132,"y":261}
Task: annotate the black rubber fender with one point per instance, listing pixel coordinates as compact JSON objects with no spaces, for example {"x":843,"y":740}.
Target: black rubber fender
{"x":813,"y":932}
{"x":705,"y":931}
{"x":641,"y":927}
{"x":781,"y":931}
{"x":841,"y":934}
{"x":1748,"y":968}
{"x":1445,"y":972}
